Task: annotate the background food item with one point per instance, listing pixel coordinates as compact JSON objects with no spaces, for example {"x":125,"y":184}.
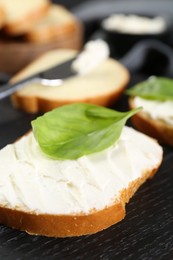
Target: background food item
{"x":23,"y":41}
{"x":2,"y":16}
{"x":158,"y":128}
{"x":124,"y":30}
{"x":135,"y":24}
{"x":21,"y":15}
{"x":103,"y":85}
{"x":56,"y":24}
{"x":155,"y":95}
{"x":94,"y":52}
{"x":73,"y":197}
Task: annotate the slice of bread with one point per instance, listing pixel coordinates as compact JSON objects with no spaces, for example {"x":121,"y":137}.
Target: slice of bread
{"x":154,"y":127}
{"x":33,"y":27}
{"x":21,"y":15}
{"x":56,"y":24}
{"x":103,"y":85}
{"x":73,"y":197}
{"x":2,"y":16}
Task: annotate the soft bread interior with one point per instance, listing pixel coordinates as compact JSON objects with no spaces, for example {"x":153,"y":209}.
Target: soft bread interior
{"x":103,"y":85}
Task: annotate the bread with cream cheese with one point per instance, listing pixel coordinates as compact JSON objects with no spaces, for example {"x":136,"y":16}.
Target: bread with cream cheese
{"x":158,"y":128}
{"x":57,"y":198}
{"x":21,"y":15}
{"x":103,"y":85}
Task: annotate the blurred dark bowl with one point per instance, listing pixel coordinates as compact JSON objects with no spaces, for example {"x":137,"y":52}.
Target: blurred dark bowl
{"x":121,"y":42}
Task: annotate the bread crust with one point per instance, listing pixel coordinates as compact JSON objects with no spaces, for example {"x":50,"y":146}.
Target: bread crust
{"x":33,"y":104}
{"x":22,"y":26}
{"x":58,"y":32}
{"x":2,"y":16}
{"x":72,"y":225}
{"x":56,"y":28}
{"x":155,"y":128}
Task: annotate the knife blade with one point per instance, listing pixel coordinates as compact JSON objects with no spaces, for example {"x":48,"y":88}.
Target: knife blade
{"x":53,"y":76}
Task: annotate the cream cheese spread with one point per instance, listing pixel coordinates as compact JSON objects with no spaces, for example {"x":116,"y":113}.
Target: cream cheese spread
{"x":134,"y":24}
{"x":32,"y":182}
{"x":159,"y":110}
{"x":94,"y":53}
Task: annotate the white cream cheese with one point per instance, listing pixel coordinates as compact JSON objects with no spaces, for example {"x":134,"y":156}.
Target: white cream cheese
{"x":30,"y":181}
{"x":159,"y":110}
{"x":94,"y":53}
{"x":134,"y":24}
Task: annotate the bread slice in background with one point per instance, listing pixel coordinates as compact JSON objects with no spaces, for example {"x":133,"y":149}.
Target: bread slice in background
{"x":103,"y":85}
{"x":56,"y":24}
{"x":70,"y":198}
{"x":2,"y":16}
{"x":159,"y":129}
{"x":20,"y":15}
{"x":38,"y":34}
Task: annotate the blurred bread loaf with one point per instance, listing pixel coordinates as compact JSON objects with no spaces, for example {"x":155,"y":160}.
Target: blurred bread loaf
{"x":21,"y":15}
{"x":2,"y":16}
{"x":103,"y":85}
{"x":33,"y":27}
{"x":56,"y":24}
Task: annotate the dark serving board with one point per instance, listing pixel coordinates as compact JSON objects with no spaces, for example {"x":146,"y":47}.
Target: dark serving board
{"x":146,"y":233}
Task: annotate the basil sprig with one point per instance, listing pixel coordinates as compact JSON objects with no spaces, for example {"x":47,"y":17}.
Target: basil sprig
{"x":155,"y":88}
{"x":72,"y":131}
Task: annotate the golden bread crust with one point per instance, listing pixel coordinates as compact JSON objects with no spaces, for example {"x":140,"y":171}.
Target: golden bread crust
{"x":152,"y":127}
{"x":58,"y":32}
{"x":52,"y":27}
{"x":72,"y":225}
{"x":22,"y":26}
{"x":2,"y":16}
{"x":33,"y":104}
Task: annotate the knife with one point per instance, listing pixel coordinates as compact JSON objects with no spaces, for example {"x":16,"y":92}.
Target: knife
{"x":53,"y":76}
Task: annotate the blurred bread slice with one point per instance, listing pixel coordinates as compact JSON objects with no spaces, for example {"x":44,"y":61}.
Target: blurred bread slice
{"x":103,"y":85}
{"x":22,"y":14}
{"x":47,"y":35}
{"x":56,"y":24}
{"x":159,"y":129}
{"x":2,"y":16}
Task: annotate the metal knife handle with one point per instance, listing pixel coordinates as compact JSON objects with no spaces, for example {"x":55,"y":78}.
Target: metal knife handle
{"x":53,"y":76}
{"x":8,"y":89}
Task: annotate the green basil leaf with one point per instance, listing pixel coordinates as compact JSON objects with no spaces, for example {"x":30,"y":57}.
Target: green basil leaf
{"x":72,"y":131}
{"x":155,"y":88}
